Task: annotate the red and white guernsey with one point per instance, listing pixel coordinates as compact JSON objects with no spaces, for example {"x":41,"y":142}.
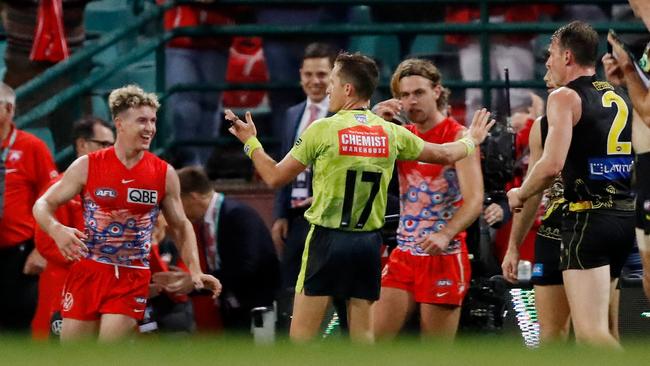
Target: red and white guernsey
{"x":121,"y":207}
{"x":429,"y":194}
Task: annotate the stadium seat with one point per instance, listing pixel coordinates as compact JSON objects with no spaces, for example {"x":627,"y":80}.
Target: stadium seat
{"x":426,"y":45}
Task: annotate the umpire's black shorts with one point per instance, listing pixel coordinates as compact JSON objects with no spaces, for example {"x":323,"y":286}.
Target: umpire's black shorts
{"x":546,"y":270}
{"x":343,"y":264}
{"x":642,"y":169}
{"x":594,"y":238}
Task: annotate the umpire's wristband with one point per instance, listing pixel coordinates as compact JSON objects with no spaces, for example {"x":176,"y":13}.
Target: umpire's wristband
{"x":251,"y":145}
{"x":469,"y":145}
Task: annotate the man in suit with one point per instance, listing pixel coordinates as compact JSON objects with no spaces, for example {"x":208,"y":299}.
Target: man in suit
{"x":290,"y":227}
{"x":235,"y":245}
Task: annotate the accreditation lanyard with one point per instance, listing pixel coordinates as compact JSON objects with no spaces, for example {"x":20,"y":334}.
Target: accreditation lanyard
{"x":3,"y":169}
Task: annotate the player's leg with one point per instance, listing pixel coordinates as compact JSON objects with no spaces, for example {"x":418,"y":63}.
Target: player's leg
{"x":308,"y":314}
{"x":391,"y":311}
{"x":359,"y":320}
{"x":588,"y":292}
{"x":116,"y":327}
{"x":75,"y":330}
{"x":396,"y":301}
{"x":439,"y":320}
{"x":614,"y":298}
{"x":553,"y":313}
{"x":643,"y":241}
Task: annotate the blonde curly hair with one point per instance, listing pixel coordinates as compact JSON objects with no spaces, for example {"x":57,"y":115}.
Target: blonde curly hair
{"x":131,"y":96}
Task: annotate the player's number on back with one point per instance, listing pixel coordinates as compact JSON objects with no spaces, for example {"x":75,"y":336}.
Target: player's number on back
{"x":348,"y":198}
{"x":614,"y":146}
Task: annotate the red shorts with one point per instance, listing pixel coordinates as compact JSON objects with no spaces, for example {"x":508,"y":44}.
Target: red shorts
{"x":93,"y":288}
{"x":440,"y":279}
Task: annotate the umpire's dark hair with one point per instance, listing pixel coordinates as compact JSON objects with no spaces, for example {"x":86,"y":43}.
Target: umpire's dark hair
{"x":581,"y":39}
{"x":359,"y":70}
{"x":194,"y":179}
{"x":85,"y":127}
{"x":320,"y":50}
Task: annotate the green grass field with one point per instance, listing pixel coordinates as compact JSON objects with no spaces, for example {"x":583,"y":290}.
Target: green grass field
{"x":502,"y":351}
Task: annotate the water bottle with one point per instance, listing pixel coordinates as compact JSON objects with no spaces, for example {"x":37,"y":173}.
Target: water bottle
{"x":263,"y":325}
{"x":524,"y":271}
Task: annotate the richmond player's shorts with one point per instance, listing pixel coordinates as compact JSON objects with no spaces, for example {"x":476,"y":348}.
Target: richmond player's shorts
{"x":548,"y":241}
{"x":594,"y":238}
{"x":438,"y":279}
{"x":643,"y":192}
{"x":343,"y":264}
{"x":93,"y":288}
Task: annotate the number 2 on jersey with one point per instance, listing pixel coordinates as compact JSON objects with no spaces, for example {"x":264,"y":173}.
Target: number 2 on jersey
{"x":348,"y":198}
{"x":614,"y":146}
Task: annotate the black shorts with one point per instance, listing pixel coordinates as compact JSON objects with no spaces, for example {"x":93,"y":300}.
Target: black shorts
{"x":642,"y":188}
{"x":546,"y":270}
{"x":341,"y":264}
{"x":594,"y":238}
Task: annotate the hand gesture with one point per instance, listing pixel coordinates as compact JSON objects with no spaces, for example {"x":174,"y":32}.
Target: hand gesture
{"x":68,"y":240}
{"x":435,"y":243}
{"x":618,"y":52}
{"x":206,"y":281}
{"x":388,"y":109}
{"x":510,"y":263}
{"x":174,"y":282}
{"x":613,"y":71}
{"x":279,"y":233}
{"x":242,"y":130}
{"x":514,"y":200}
{"x":493,"y":214}
{"x":480,"y":126}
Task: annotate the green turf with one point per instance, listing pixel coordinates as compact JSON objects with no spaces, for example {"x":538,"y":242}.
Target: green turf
{"x":502,"y":351}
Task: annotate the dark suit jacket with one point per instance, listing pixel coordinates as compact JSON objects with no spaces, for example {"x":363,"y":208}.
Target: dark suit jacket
{"x":291,"y":122}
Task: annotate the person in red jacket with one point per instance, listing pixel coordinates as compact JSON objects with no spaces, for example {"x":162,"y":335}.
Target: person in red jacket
{"x":26,"y":167}
{"x":89,"y":134}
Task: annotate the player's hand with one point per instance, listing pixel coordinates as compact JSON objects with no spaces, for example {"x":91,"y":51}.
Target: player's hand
{"x":242,"y":130}
{"x":387,"y":109}
{"x":35,"y":263}
{"x":619,"y":53}
{"x":510,"y":263}
{"x":279,"y":233}
{"x":174,"y":282}
{"x":493,"y":214}
{"x":206,"y":281}
{"x":613,"y":72}
{"x":646,"y":284}
{"x":435,"y":243}
{"x":68,"y":240}
{"x":480,"y":126}
{"x":514,"y":200}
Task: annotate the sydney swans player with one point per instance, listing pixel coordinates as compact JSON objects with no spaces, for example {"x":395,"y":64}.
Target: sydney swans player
{"x":123,"y":189}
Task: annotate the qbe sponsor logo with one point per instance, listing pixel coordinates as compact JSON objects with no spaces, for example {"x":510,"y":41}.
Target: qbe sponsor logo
{"x":142,"y":196}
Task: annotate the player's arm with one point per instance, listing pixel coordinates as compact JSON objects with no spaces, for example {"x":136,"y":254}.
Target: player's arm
{"x":470,"y":180}
{"x":274,"y":174}
{"x":523,"y":220}
{"x":639,"y":93}
{"x":449,"y":153}
{"x":68,"y":239}
{"x":183,"y":234}
{"x":563,"y":111}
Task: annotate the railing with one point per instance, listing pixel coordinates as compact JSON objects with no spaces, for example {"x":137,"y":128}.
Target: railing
{"x":156,"y":44}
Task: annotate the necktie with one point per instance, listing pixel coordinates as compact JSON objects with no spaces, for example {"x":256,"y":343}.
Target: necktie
{"x":313,"y":113}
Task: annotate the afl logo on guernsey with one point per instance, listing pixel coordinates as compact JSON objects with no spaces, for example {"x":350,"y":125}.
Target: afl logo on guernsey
{"x":142,"y":196}
{"x":105,"y":193}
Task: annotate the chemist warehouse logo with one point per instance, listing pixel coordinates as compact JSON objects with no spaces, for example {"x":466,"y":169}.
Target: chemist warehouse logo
{"x":368,"y":141}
